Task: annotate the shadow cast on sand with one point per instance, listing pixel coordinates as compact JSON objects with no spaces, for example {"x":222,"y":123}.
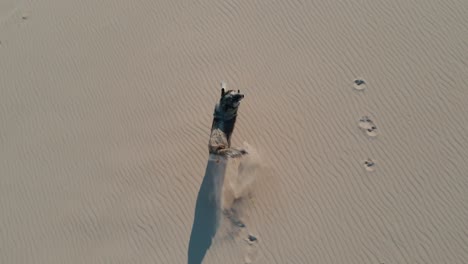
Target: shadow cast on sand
{"x":207,"y":210}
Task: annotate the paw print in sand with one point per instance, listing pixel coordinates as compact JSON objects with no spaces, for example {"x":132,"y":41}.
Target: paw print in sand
{"x":369,"y":165}
{"x":366,"y":124}
{"x":359,"y":84}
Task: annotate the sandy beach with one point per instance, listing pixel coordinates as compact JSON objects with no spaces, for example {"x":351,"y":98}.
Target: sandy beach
{"x":355,"y":117}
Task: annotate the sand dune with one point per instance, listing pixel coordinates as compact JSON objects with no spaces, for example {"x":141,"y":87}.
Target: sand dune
{"x":106,"y":108}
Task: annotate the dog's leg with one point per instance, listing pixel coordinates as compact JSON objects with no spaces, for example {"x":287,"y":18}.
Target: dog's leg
{"x":232,"y":152}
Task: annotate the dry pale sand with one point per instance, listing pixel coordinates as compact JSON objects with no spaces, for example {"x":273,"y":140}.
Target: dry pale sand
{"x":106,"y":107}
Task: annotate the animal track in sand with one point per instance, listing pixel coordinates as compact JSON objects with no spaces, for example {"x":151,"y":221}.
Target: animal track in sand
{"x":252,"y":250}
{"x":366,"y":124}
{"x":252,"y":238}
{"x":369,"y":165}
{"x":240,"y":184}
{"x":359,"y":84}
{"x":231,"y":214}
{"x":241,"y":230}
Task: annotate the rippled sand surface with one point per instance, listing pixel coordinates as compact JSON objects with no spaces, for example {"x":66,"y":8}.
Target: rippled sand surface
{"x":106,"y":109}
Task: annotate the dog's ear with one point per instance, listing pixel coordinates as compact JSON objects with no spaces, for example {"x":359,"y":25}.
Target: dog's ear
{"x":223,"y":92}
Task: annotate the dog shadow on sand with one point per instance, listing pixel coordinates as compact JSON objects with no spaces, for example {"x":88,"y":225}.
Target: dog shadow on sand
{"x":207,"y":209}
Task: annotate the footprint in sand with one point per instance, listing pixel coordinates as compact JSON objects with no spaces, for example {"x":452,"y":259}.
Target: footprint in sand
{"x":231,"y":214}
{"x":242,"y":231}
{"x":366,"y":124}
{"x":359,"y":84}
{"x":369,"y":165}
{"x":252,"y":250}
{"x":251,"y":239}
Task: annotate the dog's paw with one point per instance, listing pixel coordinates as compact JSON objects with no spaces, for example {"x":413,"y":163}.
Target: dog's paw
{"x":235,"y":153}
